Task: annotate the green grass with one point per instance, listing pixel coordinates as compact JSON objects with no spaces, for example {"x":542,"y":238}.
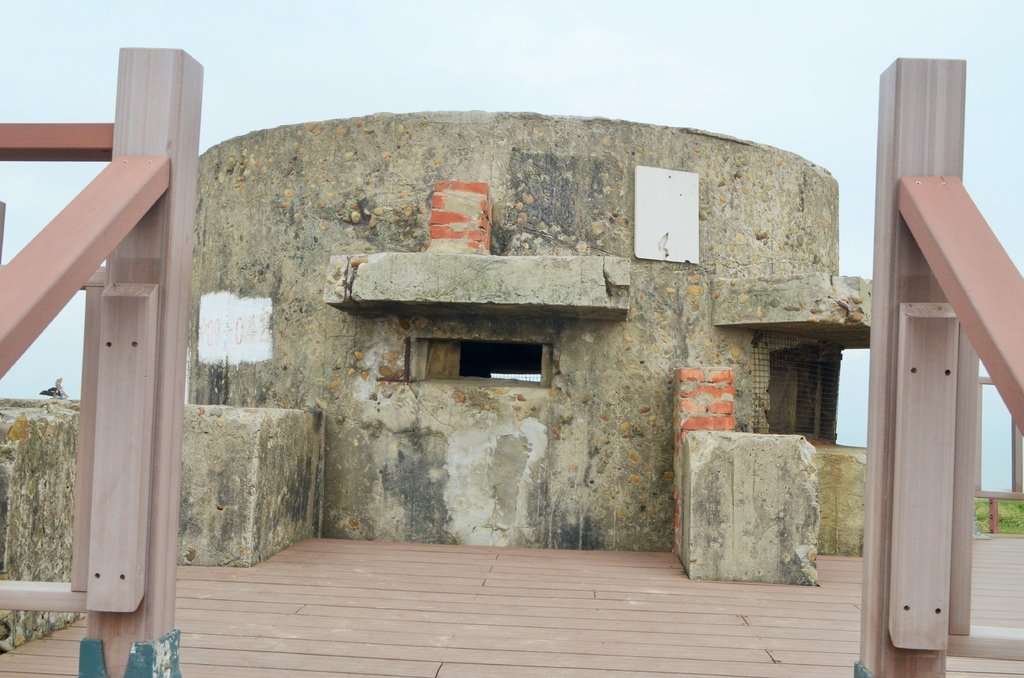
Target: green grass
{"x":1011,"y":516}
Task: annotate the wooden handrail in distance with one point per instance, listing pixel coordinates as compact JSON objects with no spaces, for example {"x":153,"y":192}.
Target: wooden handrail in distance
{"x":44,"y":276}
{"x":975,"y":273}
{"x":57,"y":141}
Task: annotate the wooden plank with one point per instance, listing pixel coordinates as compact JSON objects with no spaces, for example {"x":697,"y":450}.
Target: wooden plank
{"x":295,"y":664}
{"x":720,"y":626}
{"x":921,"y":119}
{"x":157,"y":112}
{"x":365,"y":627}
{"x":126,"y":384}
{"x":923,"y":474}
{"x":40,"y":596}
{"x":466,"y":670}
{"x":56,"y":141}
{"x":86,"y":446}
{"x":47,"y":272}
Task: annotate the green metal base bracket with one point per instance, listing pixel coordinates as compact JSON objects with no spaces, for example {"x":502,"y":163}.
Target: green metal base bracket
{"x":158,"y":659}
{"x":860,"y":672}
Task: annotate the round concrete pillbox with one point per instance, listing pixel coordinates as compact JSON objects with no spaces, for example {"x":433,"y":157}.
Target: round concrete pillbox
{"x":583,"y":458}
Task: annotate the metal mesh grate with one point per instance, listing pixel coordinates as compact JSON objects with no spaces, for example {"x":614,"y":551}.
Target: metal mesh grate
{"x":795,"y":385}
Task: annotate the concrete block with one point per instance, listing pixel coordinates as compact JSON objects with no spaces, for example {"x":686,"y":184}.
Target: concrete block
{"x":455,"y":284}
{"x":249,"y":483}
{"x":750,"y":508}
{"x":37,"y":470}
{"x":841,"y":498}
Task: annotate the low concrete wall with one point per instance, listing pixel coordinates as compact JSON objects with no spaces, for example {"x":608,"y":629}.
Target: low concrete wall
{"x":249,"y":483}
{"x":841,"y":498}
{"x":749,"y":508}
{"x":37,"y":470}
{"x":249,"y":490}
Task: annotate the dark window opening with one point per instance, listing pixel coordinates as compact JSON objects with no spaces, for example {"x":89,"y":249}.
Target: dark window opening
{"x":450,"y":359}
{"x":491,"y":360}
{"x":803,"y":391}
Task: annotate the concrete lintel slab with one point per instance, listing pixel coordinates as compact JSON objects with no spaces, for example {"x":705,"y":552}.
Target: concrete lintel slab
{"x":444,"y":283}
{"x":816,"y":305}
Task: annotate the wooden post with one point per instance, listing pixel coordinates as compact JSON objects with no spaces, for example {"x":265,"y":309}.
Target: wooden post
{"x":3,"y":215}
{"x":157,"y":113}
{"x":993,"y":516}
{"x":966,"y":476}
{"x":921,"y":121}
{"x":1016,"y":454}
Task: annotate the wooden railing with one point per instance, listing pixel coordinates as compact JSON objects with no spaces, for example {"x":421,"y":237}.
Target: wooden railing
{"x":138,"y":216}
{"x":43,"y":277}
{"x":940,"y":284}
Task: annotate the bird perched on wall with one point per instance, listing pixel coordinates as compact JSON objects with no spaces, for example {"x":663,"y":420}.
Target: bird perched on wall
{"x":56,"y":391}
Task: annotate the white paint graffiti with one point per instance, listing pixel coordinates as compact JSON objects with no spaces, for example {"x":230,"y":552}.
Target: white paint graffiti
{"x":234,"y":330}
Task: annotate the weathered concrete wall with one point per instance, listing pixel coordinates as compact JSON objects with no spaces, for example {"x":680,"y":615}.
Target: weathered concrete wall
{"x":585,"y":463}
{"x":249,"y":483}
{"x":841,"y":473}
{"x":750,"y":508}
{"x":37,"y":470}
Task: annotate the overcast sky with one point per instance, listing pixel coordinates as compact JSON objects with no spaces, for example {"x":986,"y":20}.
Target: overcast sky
{"x":802,"y":76}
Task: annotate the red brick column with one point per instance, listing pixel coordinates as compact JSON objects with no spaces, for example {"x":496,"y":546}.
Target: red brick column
{"x":460,"y":218}
{"x":703,"y":402}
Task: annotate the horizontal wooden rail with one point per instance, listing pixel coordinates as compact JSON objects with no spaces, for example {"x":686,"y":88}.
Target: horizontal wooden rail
{"x":40,"y":596}
{"x":41,"y":279}
{"x":975,"y":274}
{"x":989,"y":642}
{"x":994,"y":494}
{"x":57,"y":141}
{"x":97,"y":279}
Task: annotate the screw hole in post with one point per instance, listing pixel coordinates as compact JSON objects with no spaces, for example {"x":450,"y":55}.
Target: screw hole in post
{"x":938,"y":610}
{"x":109,"y":344}
{"x":913,"y":370}
{"x":906,"y":607}
{"x":122,"y":579}
{"x":948,"y":373}
{"x":97,"y":575}
{"x":135,"y":343}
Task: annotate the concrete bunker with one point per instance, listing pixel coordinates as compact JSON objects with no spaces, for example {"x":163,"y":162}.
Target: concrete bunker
{"x":456,"y":244}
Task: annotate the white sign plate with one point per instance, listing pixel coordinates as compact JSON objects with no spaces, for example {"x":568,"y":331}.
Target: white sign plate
{"x":666,"y":221}
{"x":234,"y":330}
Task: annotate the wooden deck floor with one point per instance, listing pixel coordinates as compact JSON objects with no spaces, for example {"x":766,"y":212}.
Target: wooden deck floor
{"x":344,"y":608}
